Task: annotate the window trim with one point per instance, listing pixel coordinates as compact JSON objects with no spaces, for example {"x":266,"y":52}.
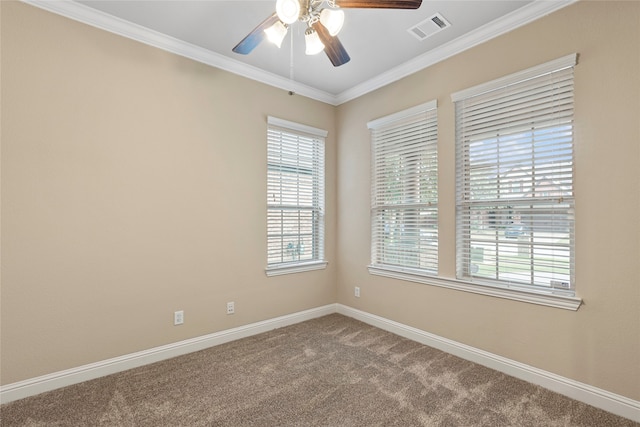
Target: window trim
{"x":553,"y":298}
{"x":301,"y":266}
{"x":380,"y":123}
{"x":551,"y":66}
{"x":295,"y":268}
{"x":297,"y":127}
{"x":528,"y":296}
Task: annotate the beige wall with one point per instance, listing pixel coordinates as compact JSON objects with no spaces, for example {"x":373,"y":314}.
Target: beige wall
{"x":118,"y":158}
{"x":600,"y":343}
{"x":133,"y":185}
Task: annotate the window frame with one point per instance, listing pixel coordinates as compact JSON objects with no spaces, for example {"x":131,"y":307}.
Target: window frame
{"x":552,"y":296}
{"x":393,"y":140}
{"x":532,"y":296}
{"x":315,"y":137}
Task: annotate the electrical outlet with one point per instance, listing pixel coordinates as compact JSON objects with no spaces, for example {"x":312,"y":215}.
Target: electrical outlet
{"x":357,"y":292}
{"x":231,"y":307}
{"x":178,"y":317}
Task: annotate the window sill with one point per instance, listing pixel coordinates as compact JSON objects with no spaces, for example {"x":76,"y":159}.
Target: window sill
{"x":550,"y":300}
{"x":295,"y":268}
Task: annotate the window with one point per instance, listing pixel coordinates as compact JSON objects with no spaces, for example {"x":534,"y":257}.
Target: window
{"x":295,"y":197}
{"x":514,"y":165}
{"x":404,"y":199}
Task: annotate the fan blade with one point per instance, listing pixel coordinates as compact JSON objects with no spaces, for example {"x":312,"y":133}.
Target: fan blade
{"x":254,"y":38}
{"x":332,"y":46}
{"x":381,"y":4}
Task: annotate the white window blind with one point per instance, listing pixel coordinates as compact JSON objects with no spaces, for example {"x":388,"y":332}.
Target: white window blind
{"x":404,"y":199}
{"x":295,"y":194}
{"x":514,"y":163}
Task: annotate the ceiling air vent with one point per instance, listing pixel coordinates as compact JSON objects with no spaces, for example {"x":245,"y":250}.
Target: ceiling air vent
{"x":429,"y":27}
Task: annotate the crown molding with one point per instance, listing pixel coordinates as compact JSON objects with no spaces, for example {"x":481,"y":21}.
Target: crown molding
{"x":526,"y":14}
{"x":95,"y":18}
{"x":87,"y":15}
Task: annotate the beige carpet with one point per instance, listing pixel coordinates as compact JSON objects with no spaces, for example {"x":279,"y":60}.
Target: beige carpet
{"x":331,"y":371}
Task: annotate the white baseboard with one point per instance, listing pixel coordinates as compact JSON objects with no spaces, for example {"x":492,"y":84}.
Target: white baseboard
{"x":91,"y":371}
{"x":610,"y":402}
{"x":594,"y":396}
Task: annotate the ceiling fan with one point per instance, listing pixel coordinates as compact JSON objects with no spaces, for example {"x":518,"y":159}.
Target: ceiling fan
{"x":323,"y":24}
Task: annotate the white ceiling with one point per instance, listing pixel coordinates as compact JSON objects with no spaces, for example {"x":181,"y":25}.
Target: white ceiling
{"x":377,"y":40}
